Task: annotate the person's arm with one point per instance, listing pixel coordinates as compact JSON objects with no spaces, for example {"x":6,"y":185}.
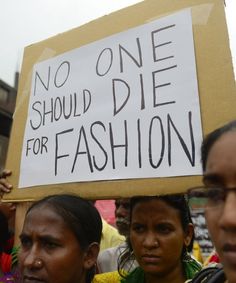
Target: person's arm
{"x":5,"y":186}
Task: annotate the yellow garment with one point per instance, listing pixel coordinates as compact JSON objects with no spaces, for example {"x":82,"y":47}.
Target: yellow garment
{"x":110,"y":236}
{"x":196,"y":252}
{"x":108,"y":277}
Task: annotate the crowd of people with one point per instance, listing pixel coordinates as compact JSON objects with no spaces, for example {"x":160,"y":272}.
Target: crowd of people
{"x":61,"y":235}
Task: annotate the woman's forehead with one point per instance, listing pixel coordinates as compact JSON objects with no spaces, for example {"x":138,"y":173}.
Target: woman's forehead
{"x":44,"y":213}
{"x":225,"y":140}
{"x":222,"y":147}
{"x":154,"y":206}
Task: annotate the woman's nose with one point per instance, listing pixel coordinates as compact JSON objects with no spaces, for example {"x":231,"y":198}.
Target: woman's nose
{"x":32,"y":259}
{"x":150,"y":241}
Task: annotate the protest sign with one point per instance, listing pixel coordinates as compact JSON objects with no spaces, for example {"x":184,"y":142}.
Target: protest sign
{"x":124,"y":107}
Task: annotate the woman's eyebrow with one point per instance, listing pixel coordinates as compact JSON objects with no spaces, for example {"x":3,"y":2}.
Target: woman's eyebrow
{"x":212,"y":178}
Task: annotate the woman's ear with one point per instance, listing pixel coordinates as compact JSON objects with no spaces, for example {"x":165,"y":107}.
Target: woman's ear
{"x":188,"y":235}
{"x":91,"y":255}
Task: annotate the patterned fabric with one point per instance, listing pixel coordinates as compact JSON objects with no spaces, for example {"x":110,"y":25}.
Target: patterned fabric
{"x":8,"y":263}
{"x":10,"y":278}
{"x":136,"y":276}
{"x":108,"y":277}
{"x":212,"y":258}
{"x":5,"y":262}
{"x":191,"y":267}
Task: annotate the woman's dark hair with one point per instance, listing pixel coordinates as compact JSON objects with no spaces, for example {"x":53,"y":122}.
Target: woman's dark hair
{"x":80,"y":215}
{"x":176,"y":201}
{"x":211,"y":138}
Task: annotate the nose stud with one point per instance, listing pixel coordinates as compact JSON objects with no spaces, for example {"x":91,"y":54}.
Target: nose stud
{"x":38,"y":263}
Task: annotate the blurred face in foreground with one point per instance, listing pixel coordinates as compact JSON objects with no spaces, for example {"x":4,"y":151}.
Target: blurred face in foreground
{"x":157,"y":238}
{"x":50,"y":252}
{"x":221,"y":219}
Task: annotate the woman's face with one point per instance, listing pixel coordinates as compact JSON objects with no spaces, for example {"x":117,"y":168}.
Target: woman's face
{"x":221,"y":220}
{"x":157,"y":237}
{"x":50,"y":251}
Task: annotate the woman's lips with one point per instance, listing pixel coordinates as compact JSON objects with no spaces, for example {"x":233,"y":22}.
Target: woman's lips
{"x":229,"y":255}
{"x":32,"y":279}
{"x":150,"y":259}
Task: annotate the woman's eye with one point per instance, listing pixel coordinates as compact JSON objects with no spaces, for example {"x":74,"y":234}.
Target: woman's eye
{"x":138,"y":228}
{"x":25,"y":242}
{"x":164,"y":229}
{"x":50,"y":245}
{"x":216,"y":195}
